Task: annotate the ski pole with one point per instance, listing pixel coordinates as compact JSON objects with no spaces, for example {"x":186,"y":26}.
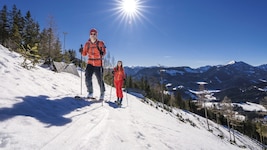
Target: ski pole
{"x":126,"y":93}
{"x":102,"y":83}
{"x":81,"y":70}
{"x":111,"y":86}
{"x":127,"y":96}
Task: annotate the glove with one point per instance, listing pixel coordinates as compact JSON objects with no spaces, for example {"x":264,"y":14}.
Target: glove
{"x":112,"y":72}
{"x":81,"y":49}
{"x":100,"y":50}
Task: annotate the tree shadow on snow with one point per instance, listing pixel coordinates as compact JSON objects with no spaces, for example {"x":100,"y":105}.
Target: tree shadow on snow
{"x":43,"y":109}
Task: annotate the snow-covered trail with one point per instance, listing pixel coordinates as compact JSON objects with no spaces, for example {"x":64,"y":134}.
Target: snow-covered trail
{"x":108,"y":127}
{"x":84,"y":122}
{"x":94,"y":126}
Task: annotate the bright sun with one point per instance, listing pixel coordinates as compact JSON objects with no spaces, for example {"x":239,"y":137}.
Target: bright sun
{"x":129,"y":10}
{"x":129,"y":6}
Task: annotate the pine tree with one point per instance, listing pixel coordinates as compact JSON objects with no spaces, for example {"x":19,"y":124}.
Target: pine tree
{"x":17,"y":24}
{"x":178,"y":100}
{"x":50,"y":45}
{"x":56,"y":51}
{"x":70,"y":57}
{"x":31,"y":57}
{"x":261,"y":128}
{"x":43,"y":45}
{"x":31,"y":31}
{"x":129,"y":82}
{"x":4,"y":26}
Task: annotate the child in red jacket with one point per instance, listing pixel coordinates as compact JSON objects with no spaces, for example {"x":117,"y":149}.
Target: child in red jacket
{"x":119,"y":77}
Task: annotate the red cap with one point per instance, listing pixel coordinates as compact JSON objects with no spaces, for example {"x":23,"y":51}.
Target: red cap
{"x":93,"y":30}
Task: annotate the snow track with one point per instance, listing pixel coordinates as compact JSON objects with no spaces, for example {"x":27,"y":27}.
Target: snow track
{"x":78,"y":132}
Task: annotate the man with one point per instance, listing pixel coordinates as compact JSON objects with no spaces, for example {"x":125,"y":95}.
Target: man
{"x":95,"y":50}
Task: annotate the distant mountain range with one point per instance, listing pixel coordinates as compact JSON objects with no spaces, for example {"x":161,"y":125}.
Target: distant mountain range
{"x":238,"y":80}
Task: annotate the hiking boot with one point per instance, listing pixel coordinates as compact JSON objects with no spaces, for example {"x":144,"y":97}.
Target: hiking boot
{"x":117,"y":101}
{"x":90,"y":95}
{"x":101,"y":97}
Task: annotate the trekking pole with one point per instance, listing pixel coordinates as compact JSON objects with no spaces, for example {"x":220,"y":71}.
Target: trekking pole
{"x":126,"y":93}
{"x":81,"y":69}
{"x":102,"y":81}
{"x":77,"y":96}
{"x":111,"y":86}
{"x":126,"y":96}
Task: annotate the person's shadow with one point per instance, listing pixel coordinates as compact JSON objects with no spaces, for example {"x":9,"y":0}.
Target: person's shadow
{"x":41,"y":108}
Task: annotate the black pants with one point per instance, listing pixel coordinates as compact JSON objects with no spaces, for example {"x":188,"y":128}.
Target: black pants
{"x":90,"y":70}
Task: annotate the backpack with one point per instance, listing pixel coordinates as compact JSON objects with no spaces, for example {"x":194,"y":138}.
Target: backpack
{"x":97,"y":45}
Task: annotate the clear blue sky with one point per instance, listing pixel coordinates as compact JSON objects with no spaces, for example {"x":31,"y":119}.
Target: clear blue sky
{"x":190,"y":33}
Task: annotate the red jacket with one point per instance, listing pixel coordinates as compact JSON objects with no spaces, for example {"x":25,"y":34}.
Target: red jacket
{"x":94,"y":56}
{"x":119,"y":74}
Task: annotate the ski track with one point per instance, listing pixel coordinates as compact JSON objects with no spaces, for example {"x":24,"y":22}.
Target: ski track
{"x":72,"y":136}
{"x":99,"y":138}
{"x":98,"y":125}
{"x":101,"y":130}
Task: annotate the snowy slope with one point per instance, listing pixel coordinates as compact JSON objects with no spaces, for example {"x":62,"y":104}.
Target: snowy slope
{"x":37,"y":111}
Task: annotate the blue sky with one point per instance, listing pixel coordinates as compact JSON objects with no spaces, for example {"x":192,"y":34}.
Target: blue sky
{"x":190,"y":33}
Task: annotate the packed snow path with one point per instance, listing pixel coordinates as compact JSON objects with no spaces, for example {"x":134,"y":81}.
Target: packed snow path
{"x":108,"y":127}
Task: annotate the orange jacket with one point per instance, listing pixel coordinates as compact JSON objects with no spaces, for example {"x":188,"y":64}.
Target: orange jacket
{"x":94,"y":56}
{"x":119,"y":74}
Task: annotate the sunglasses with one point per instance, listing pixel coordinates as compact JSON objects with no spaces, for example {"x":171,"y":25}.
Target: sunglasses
{"x":93,"y":34}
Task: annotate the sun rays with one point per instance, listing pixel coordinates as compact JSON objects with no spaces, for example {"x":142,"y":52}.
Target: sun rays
{"x":129,"y":11}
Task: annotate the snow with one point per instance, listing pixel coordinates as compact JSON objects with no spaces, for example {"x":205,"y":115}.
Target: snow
{"x":203,"y":69}
{"x":248,"y":106}
{"x":38,"y":111}
{"x":262,"y":80}
{"x":173,"y":72}
{"x":202,"y":83}
{"x":231,"y":62}
{"x":190,"y":70}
